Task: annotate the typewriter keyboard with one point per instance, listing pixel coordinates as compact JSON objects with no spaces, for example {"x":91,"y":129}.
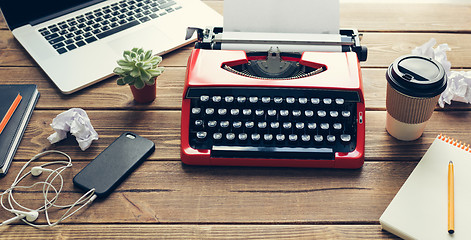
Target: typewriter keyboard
{"x":272,"y":123}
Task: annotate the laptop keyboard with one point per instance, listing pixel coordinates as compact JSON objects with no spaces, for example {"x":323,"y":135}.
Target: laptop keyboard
{"x":91,"y":26}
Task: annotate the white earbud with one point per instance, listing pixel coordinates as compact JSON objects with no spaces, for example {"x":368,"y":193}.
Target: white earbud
{"x":30,"y":216}
{"x":36,"y":171}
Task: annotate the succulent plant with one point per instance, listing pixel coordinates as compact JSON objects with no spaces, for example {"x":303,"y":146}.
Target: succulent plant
{"x":138,"y":68}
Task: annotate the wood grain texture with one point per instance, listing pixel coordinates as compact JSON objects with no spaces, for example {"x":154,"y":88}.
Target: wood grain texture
{"x":389,"y":16}
{"x":191,"y":231}
{"x":169,"y":91}
{"x":383,"y":48}
{"x":163,"y":127}
{"x":169,"y":192}
{"x":167,"y":200}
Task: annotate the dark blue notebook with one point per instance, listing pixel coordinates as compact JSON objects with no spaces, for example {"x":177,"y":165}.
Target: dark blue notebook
{"x":11,"y":136}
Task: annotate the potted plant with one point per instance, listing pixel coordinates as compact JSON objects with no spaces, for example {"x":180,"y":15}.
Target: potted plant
{"x":139,"y":69}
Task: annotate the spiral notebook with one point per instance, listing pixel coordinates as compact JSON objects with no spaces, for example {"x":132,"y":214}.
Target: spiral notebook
{"x":420,"y":208}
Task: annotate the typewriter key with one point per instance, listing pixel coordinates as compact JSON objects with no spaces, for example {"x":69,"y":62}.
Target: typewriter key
{"x":224,"y":124}
{"x":234,"y":112}
{"x":327,"y":101}
{"x":242,"y":136}
{"x":293,"y":137}
{"x":334,"y":114}
{"x":302,"y":100}
{"x":321,"y":113}
{"x":280,"y":137}
{"x":309,"y":113}
{"x":284,"y":113}
{"x":230,"y":136}
{"x":216,"y":99}
{"x":274,"y":124}
{"x":312,"y":126}
{"x":217,"y":136}
{"x":299,"y":125}
{"x":199,"y":123}
{"x":345,"y":137}
{"x":265,"y":99}
{"x":278,"y":99}
{"x":305,"y":138}
{"x":237,"y":124}
{"x":296,"y":113}
{"x":255,"y":136}
{"x":204,"y":98}
{"x":201,"y":135}
{"x":272,"y":112}
{"x":195,"y":110}
{"x":315,"y":100}
{"x":212,"y":123}
{"x":209,"y":111}
{"x":331,"y":138}
{"x":229,"y":99}
{"x":324,"y":126}
{"x":318,"y":138}
{"x":267,"y":137}
{"x":262,"y":125}
{"x":249,"y":124}
{"x":337,"y":126}
{"x":222,"y":111}
{"x":339,"y":101}
{"x":290,"y":100}
{"x":346,"y":114}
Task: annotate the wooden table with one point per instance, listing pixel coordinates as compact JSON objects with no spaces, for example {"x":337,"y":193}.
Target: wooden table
{"x":163,"y":199}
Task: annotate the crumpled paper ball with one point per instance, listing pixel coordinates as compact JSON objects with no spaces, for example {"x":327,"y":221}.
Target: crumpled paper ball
{"x":75,"y":121}
{"x":459,"y":82}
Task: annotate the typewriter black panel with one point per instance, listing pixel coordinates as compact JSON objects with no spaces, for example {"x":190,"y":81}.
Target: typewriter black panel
{"x":295,"y":123}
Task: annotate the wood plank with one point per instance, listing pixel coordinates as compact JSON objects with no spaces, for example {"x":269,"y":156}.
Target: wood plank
{"x":383,"y":48}
{"x":391,"y":16}
{"x":387,"y":16}
{"x":163,"y":127}
{"x":169,"y":193}
{"x":193,"y":231}
{"x":169,"y":91}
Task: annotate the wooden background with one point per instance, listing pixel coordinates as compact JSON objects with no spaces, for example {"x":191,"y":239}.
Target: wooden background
{"x":163,"y":199}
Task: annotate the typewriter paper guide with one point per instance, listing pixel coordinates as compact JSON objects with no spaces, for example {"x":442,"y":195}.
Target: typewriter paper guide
{"x":293,"y":16}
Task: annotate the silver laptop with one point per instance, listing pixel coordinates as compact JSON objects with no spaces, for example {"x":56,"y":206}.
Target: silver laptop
{"x":77,"y":42}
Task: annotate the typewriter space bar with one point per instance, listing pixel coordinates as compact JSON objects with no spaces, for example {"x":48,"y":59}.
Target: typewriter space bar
{"x":272,"y":152}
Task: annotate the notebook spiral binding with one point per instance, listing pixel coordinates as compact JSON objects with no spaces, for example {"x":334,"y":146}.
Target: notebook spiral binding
{"x":454,"y":142}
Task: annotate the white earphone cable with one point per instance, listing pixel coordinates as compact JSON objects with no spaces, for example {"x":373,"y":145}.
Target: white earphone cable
{"x":48,"y":186}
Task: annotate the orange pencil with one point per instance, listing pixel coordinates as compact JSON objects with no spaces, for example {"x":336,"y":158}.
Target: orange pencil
{"x":451,"y":199}
{"x":10,"y":112}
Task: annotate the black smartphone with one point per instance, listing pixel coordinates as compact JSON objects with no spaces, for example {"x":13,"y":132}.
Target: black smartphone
{"x":114,"y":164}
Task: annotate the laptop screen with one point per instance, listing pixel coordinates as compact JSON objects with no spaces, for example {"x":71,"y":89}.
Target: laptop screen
{"x":20,"y":12}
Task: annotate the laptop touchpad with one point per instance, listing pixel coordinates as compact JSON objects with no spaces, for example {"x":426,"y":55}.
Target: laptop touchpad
{"x":147,"y":38}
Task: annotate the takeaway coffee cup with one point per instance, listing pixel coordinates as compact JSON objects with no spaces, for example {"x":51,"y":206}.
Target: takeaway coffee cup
{"x":414,"y":86}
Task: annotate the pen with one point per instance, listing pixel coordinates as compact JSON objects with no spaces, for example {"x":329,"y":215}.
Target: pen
{"x":451,"y":199}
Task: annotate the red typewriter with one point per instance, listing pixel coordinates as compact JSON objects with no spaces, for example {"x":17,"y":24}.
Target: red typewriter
{"x":254,"y":101}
